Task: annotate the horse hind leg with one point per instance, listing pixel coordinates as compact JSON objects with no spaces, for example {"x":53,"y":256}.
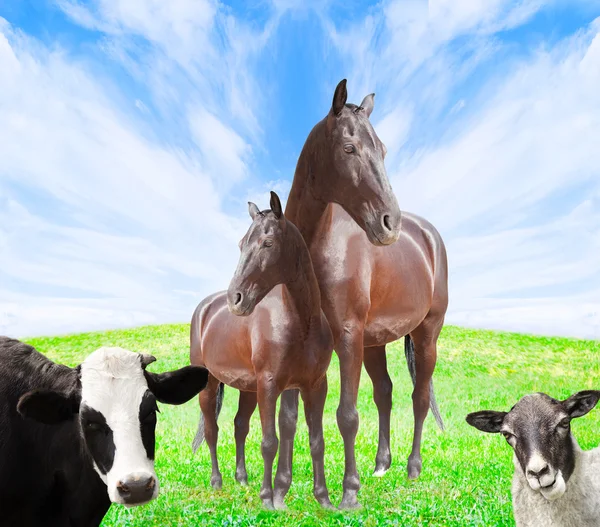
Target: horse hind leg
{"x":375,"y":362}
{"x":424,"y":338}
{"x":314,"y":404}
{"x":247,"y":405}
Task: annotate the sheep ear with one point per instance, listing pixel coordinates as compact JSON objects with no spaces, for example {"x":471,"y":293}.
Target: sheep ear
{"x":487,"y":421}
{"x":581,"y":403}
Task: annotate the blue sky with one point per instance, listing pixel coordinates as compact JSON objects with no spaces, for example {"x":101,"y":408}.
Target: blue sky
{"x":134,"y":131}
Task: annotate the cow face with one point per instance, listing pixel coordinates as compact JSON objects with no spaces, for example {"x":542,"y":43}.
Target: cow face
{"x":116,"y":407}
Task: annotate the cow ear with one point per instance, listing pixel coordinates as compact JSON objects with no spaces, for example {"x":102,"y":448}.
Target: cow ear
{"x":49,"y":407}
{"x":146,"y":359}
{"x":179,"y":386}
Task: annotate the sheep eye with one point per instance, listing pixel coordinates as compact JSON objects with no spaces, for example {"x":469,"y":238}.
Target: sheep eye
{"x":508,"y":436}
{"x":564,"y":424}
{"x":349,"y":149}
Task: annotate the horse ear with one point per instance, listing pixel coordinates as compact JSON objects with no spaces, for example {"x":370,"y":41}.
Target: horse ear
{"x":253,"y":210}
{"x":368,"y":103}
{"x":276,"y":205}
{"x":339,"y":97}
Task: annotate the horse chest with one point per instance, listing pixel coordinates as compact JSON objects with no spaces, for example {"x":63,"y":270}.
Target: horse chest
{"x":380,"y":286}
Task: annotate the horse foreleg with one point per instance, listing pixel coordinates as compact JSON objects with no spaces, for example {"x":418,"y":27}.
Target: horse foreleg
{"x":246,"y":407}
{"x":267,"y":402}
{"x":288,"y":417}
{"x":350,"y":353}
{"x":375,"y":361}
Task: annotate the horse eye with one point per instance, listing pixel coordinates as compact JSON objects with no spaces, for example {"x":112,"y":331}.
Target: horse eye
{"x":349,"y":149}
{"x":267,"y":243}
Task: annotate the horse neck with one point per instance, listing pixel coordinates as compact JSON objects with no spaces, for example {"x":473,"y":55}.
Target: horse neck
{"x":304,"y":290}
{"x":302,"y":208}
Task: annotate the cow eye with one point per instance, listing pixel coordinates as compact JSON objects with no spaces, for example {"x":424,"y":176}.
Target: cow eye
{"x":93,"y":426}
{"x":349,"y":149}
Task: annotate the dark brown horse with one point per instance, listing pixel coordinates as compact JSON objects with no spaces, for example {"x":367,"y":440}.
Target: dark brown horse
{"x":280,"y":340}
{"x":382,"y":275}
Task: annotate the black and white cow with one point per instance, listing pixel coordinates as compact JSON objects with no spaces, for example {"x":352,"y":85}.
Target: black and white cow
{"x":73,"y":440}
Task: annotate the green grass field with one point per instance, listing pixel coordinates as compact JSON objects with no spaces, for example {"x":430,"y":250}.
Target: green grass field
{"x":466,"y":474}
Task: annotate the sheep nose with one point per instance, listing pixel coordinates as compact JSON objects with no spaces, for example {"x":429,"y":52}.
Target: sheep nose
{"x":539,"y":473}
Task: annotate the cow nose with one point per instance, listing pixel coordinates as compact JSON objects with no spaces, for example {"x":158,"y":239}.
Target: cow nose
{"x":136,"y":488}
{"x":540,"y":472}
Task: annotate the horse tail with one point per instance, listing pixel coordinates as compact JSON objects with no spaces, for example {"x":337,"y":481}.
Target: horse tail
{"x":199,"y":439}
{"x":409,"y":351}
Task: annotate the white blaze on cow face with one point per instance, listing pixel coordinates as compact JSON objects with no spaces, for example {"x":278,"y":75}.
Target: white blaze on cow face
{"x":113,"y":388}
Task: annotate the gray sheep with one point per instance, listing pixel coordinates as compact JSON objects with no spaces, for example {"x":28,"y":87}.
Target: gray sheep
{"x":555,"y":483}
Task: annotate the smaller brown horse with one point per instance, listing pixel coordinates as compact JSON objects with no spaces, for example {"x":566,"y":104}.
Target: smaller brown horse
{"x":280,"y":340}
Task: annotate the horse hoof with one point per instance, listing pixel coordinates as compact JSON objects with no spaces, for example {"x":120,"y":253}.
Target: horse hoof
{"x":414,"y":468}
{"x":350,"y":506}
{"x":268,"y":504}
{"x":326,"y":504}
{"x":242,"y":480}
{"x":380,"y":471}
{"x":279,"y":504}
{"x":349,"y":502}
{"x":216,"y":483}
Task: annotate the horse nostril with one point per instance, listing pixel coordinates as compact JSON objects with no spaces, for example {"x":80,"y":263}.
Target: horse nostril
{"x":386,"y":222}
{"x":238,"y":298}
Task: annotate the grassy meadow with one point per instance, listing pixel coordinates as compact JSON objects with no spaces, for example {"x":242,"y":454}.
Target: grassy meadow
{"x":466,"y":474}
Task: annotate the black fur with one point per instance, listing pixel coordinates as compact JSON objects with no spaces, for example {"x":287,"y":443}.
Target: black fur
{"x":47,"y":476}
{"x":45,"y":480}
{"x":98,"y":438}
{"x":179,"y":386}
{"x":147,"y":416}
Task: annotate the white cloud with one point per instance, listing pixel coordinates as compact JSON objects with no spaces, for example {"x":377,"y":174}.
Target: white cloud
{"x":512,"y":180}
{"x":105,"y":222}
{"x":92,"y":210}
{"x":225,"y":152}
